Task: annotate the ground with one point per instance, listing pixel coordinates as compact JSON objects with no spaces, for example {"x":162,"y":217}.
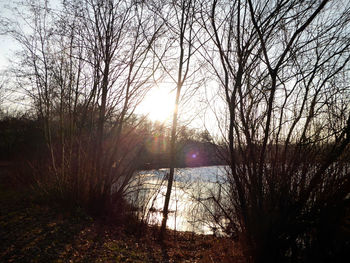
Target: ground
{"x":34,"y":231}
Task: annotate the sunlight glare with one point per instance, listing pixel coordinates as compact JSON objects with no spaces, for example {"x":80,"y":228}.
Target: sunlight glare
{"x":158,"y":104}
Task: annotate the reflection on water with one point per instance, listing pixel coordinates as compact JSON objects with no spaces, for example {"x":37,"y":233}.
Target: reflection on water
{"x":185,"y":212}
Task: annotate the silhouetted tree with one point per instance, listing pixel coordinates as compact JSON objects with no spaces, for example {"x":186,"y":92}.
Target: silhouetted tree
{"x":283,"y":70}
{"x":179,"y":19}
{"x":86,"y":65}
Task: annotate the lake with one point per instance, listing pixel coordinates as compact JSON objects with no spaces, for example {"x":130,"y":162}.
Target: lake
{"x":192,"y":186}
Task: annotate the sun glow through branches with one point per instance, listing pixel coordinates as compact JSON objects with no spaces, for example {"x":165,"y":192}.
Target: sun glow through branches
{"x":158,"y":104}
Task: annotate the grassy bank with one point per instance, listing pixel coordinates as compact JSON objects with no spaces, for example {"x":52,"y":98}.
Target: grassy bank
{"x":33,"y":230}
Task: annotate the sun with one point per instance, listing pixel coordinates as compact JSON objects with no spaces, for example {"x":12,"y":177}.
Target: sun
{"x":158,"y":104}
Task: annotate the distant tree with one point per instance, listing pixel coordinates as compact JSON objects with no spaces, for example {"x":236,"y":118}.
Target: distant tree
{"x":205,"y":136}
{"x":2,"y":97}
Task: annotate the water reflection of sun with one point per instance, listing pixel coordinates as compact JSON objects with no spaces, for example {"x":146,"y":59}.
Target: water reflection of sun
{"x":158,"y":104}
{"x":181,"y":216}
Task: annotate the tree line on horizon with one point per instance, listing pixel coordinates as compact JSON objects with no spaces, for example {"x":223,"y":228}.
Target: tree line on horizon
{"x":21,"y":139}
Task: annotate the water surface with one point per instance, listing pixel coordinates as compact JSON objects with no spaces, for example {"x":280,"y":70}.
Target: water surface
{"x":191,"y":187}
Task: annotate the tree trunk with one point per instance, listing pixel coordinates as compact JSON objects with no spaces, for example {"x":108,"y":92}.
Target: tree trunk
{"x":172,"y":164}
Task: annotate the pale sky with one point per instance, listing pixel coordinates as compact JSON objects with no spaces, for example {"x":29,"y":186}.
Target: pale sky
{"x":6,"y":44}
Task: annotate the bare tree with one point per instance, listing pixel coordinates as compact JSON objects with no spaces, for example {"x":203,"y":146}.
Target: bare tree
{"x":179,"y":19}
{"x":87,"y":65}
{"x":283,"y":74}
